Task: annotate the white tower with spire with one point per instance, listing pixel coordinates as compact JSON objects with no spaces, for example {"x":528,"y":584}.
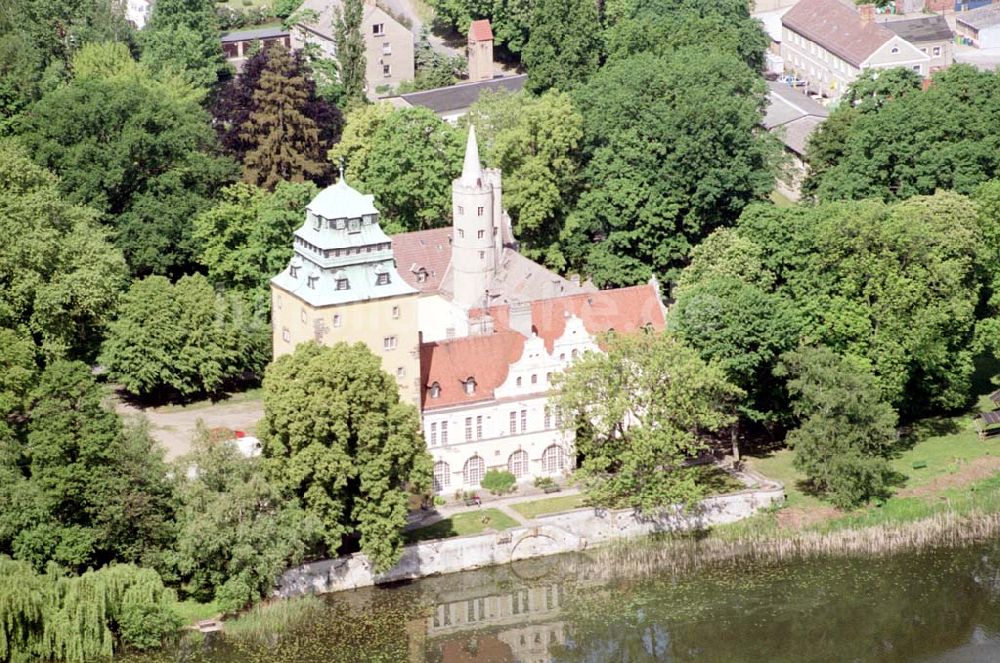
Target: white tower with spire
{"x":477,"y":234}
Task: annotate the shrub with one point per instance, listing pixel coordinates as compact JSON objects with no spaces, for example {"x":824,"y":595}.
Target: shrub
{"x":499,"y":482}
{"x":544,"y":482}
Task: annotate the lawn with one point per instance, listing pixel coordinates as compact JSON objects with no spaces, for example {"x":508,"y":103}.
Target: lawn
{"x":549,"y":505}
{"x":461,"y":524}
{"x":192,"y":611}
{"x":241,"y":4}
{"x":956,"y":468}
{"x":781,"y":200}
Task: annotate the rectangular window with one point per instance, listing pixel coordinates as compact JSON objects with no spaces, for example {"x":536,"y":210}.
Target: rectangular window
{"x":389,"y":343}
{"x":378,"y":29}
{"x":434,"y":434}
{"x":480,"y":234}
{"x":468,"y":428}
{"x":395,"y":313}
{"x":937,"y":50}
{"x":286,"y":335}
{"x":548,"y":419}
{"x":558,"y":418}
{"x":524,"y":420}
{"x":461,"y":210}
{"x":382,"y":279}
{"x":386,"y":48}
{"x":400,"y":372}
{"x":444,"y":432}
{"x":386,"y":70}
{"x":336,"y":320}
{"x":461,"y":233}
{"x":343,"y":284}
{"x":479,"y":427}
{"x":480,"y":210}
{"x":513,"y":422}
{"x":302,"y":315}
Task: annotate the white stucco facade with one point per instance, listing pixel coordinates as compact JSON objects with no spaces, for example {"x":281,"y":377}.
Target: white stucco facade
{"x":516,"y":430}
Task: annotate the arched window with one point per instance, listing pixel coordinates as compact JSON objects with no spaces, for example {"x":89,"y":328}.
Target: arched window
{"x":534,"y":378}
{"x":519,"y":381}
{"x":573,"y":354}
{"x":442,"y":476}
{"x":470,"y":385}
{"x":553,"y":459}
{"x":474,"y":470}
{"x":517,"y":464}
{"x":435,"y":390}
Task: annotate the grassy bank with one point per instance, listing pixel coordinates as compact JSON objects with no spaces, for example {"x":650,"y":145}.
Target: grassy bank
{"x":461,"y":524}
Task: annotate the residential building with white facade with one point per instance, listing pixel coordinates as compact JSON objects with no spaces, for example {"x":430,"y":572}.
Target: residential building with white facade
{"x":828,"y":43}
{"x":493,"y":326}
{"x":388,"y":43}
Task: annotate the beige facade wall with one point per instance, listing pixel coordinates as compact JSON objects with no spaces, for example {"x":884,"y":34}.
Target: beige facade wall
{"x":898,"y":52}
{"x":388,"y":50}
{"x":387,"y":326}
{"x":941,"y":54}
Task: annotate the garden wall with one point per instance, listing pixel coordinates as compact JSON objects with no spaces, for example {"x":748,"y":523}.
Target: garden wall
{"x":550,"y":535}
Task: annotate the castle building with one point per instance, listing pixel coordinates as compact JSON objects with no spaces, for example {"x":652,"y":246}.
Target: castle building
{"x":473,"y":330}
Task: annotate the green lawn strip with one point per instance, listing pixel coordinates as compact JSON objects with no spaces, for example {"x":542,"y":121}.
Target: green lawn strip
{"x":461,"y":524}
{"x":781,"y":200}
{"x":192,"y":611}
{"x":549,"y":505}
{"x":778,"y":466}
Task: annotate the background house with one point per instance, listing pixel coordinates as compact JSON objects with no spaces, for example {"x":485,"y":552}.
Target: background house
{"x":930,"y":34}
{"x":240,"y":45}
{"x":137,"y":12}
{"x":792,"y":117}
{"x":980,"y":27}
{"x":454,"y":101}
{"x":388,"y":43}
{"x":828,"y":43}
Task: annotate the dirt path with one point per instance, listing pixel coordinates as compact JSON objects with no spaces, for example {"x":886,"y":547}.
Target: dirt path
{"x":174,"y":427}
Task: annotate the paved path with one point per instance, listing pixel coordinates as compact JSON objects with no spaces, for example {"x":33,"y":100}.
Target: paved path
{"x":503,"y":504}
{"x":174,"y":427}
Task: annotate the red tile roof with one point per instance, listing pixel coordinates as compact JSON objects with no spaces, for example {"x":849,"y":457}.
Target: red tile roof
{"x":622,"y":309}
{"x":486,"y":359}
{"x":837,"y":27}
{"x":480,"y":31}
{"x":429,"y":250}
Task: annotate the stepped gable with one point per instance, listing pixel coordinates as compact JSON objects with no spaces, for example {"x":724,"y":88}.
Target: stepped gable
{"x":422,"y":257}
{"x":622,"y":309}
{"x":486,"y":359}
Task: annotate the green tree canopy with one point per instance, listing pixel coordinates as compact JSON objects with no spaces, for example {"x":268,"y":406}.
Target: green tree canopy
{"x":139,"y":151}
{"x":896,"y":286}
{"x":60,"y":279}
{"x":340,"y":439}
{"x":564,"y":44}
{"x":900,"y":142}
{"x":639,"y":411}
{"x":509,"y":19}
{"x":183,"y":37}
{"x":183,"y":338}
{"x":236,"y":531}
{"x":351,"y":50}
{"x":245,"y":238}
{"x":663,"y":26}
{"x":282,"y":141}
{"x":81,"y":489}
{"x":676,"y":151}
{"x":846,"y":432}
{"x":535,"y":141}
{"x":408,"y":159}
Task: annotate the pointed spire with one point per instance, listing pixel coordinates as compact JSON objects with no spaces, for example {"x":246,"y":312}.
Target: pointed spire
{"x":472,"y":172}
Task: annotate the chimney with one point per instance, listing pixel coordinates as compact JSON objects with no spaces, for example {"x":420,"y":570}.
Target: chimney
{"x":520,"y":318}
{"x":867,"y":13}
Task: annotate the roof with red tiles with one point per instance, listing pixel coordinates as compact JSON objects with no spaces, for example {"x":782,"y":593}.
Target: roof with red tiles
{"x":481,"y":31}
{"x":621,"y":310}
{"x":486,"y":359}
{"x":837,"y":27}
{"x":427,"y":251}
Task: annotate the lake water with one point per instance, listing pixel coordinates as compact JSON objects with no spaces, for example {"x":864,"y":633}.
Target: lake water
{"x":940,"y":605}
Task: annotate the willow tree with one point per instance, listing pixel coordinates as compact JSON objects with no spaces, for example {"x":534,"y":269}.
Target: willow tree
{"x":283,"y":142}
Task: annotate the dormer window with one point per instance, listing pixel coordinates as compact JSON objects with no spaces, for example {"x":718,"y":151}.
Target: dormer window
{"x":470,"y":385}
{"x":312,"y":281}
{"x":343,"y":284}
{"x":382,"y":279}
{"x":293,"y":271}
{"x":435,"y":390}
{"x":353,"y":225}
{"x":422,"y":275}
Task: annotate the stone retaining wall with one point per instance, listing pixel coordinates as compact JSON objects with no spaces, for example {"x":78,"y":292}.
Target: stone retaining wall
{"x":552,"y":534}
